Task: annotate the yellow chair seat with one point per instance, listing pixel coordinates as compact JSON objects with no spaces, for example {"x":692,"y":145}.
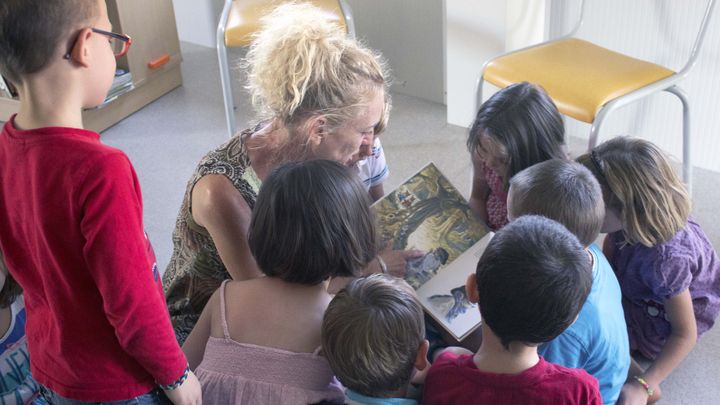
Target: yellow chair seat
{"x":244,"y":18}
{"x":578,"y":75}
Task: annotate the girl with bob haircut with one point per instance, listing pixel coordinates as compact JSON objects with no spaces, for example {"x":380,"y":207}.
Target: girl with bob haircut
{"x":318,"y":95}
{"x":514,"y":129}
{"x":668,"y":271}
{"x":257,"y":341}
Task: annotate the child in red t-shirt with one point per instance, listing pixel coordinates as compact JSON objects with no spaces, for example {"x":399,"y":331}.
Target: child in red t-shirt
{"x":71,"y":228}
{"x":530,"y":284}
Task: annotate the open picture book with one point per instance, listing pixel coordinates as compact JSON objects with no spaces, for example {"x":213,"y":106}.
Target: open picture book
{"x":427,"y":213}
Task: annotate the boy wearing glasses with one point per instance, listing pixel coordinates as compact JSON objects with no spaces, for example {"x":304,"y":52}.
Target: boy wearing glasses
{"x":71,"y":230}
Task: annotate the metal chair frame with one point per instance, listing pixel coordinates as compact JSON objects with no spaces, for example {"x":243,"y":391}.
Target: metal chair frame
{"x":225,"y":78}
{"x":668,"y":84}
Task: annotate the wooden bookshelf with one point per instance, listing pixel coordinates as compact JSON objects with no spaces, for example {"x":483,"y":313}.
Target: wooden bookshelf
{"x":153,"y":59}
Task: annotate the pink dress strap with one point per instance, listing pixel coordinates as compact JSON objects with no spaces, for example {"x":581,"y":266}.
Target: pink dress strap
{"x":226,"y":332}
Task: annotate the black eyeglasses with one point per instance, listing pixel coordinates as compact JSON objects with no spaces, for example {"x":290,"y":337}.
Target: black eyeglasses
{"x":120,"y":42}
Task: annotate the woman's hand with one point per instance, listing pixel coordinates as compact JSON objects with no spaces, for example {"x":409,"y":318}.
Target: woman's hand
{"x":396,"y":260}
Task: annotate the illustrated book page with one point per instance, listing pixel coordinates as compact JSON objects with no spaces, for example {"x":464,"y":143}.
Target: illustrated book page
{"x":427,"y":213}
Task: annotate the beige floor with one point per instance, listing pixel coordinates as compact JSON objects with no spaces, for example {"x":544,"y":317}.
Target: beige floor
{"x":166,"y":139}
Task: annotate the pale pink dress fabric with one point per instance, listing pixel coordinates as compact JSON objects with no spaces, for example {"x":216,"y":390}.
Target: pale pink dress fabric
{"x":237,"y":373}
{"x":496,"y":203}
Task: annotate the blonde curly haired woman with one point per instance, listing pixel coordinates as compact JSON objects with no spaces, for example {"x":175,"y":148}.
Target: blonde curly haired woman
{"x":319,"y":95}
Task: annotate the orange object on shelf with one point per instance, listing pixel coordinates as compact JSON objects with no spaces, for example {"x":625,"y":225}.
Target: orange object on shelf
{"x":159,"y":62}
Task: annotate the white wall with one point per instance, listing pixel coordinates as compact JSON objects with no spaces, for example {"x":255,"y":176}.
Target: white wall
{"x":475,"y":33}
{"x":197,"y":20}
{"x":409,"y":33}
{"x":478,"y":30}
{"x":660,"y":31}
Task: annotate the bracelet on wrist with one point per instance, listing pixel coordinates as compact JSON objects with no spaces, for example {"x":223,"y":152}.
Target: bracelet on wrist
{"x":383,"y":266}
{"x":648,"y":389}
{"x":177,"y":382}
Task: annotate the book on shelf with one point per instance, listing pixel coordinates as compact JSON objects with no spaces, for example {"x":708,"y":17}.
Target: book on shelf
{"x":122,"y":83}
{"x":427,"y":213}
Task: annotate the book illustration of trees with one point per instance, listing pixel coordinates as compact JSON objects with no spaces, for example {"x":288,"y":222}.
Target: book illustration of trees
{"x":427,"y":213}
{"x":453,"y":305}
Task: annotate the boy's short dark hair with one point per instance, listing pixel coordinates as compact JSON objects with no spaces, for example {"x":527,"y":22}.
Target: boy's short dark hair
{"x":311,"y":221}
{"x":532,"y":280}
{"x":32,"y":32}
{"x":371,"y":334}
{"x":561,"y":190}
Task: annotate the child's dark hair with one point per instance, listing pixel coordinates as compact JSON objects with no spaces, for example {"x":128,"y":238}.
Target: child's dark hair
{"x":32,"y":32}
{"x":525,"y":122}
{"x":10,"y":291}
{"x":371,"y":334}
{"x":312,"y":220}
{"x":562,"y":190}
{"x":532,"y":280}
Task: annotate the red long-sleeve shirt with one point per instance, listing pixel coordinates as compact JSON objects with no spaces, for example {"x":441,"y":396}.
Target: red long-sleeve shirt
{"x":72,"y":236}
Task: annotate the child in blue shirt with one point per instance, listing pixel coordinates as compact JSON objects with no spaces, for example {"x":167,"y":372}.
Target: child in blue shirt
{"x":567,"y":192}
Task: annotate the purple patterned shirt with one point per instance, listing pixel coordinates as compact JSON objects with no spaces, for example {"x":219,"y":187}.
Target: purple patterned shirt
{"x":649,"y":276}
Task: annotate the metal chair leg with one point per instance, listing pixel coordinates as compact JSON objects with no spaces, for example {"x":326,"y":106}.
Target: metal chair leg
{"x":479,"y":92}
{"x":225,"y":80}
{"x":687,"y":158}
{"x":597,"y":123}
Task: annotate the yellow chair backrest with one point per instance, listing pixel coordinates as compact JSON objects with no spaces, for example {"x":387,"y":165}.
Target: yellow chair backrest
{"x":244,"y":18}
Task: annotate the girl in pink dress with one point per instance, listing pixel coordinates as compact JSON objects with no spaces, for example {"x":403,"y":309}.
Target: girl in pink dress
{"x":258,"y":341}
{"x":514,"y":129}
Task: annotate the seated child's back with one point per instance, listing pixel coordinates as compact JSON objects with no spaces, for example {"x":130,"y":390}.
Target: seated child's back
{"x":597,"y":342}
{"x":258,"y":341}
{"x":530,"y":284}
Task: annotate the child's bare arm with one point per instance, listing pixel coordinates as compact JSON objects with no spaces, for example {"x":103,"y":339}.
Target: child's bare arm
{"x":480,"y":190}
{"x":194,"y":346}
{"x":221,"y":209}
{"x":681,"y":341}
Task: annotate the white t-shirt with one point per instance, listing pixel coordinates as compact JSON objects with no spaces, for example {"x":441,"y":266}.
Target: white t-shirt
{"x":16,"y":384}
{"x":373,"y":170}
